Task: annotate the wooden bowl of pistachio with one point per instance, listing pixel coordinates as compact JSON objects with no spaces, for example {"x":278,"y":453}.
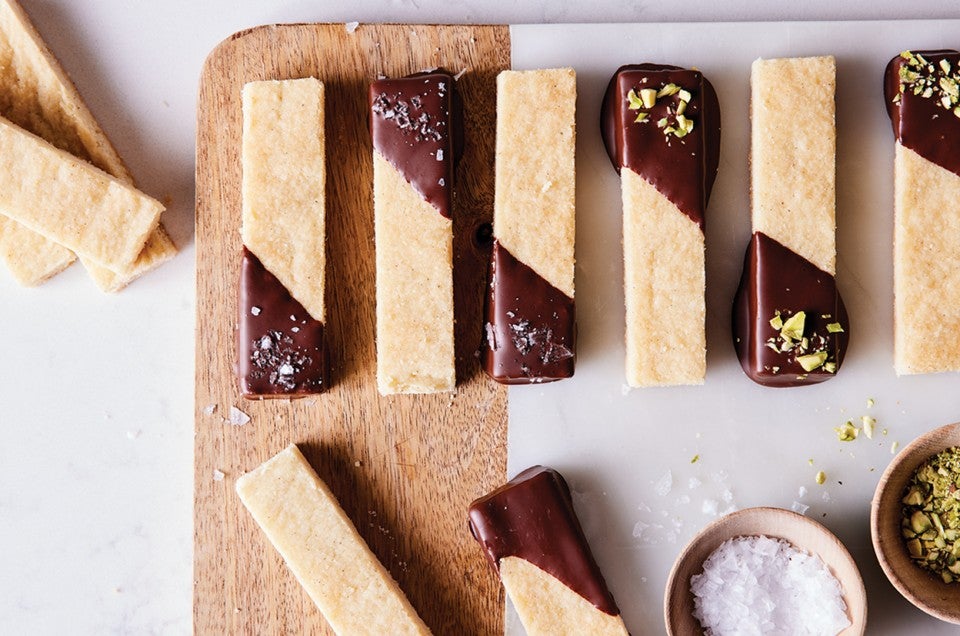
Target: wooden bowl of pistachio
{"x":915,"y":522}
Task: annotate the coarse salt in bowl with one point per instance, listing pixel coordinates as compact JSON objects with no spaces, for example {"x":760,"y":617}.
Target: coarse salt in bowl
{"x":803,"y":534}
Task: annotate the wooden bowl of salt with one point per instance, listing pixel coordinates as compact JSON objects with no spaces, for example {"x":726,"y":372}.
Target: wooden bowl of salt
{"x":923,"y":589}
{"x":802,"y":533}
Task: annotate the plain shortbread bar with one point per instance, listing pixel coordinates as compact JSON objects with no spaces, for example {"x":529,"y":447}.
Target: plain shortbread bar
{"x":412,"y":123}
{"x":306,"y":525}
{"x":36,"y":94}
{"x":71,"y":202}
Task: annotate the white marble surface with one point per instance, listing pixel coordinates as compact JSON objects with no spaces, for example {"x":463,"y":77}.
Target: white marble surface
{"x":96,"y":391}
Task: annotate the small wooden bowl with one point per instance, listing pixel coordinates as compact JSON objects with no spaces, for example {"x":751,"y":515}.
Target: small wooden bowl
{"x":805,"y":534}
{"x":918,"y":586}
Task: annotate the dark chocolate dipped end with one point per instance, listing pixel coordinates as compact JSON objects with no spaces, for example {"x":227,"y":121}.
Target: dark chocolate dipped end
{"x":529,"y":329}
{"x":790,"y":326}
{"x":649,"y":138}
{"x":922,"y":95}
{"x":414,"y":122}
{"x":532,"y":517}
{"x":281,"y":347}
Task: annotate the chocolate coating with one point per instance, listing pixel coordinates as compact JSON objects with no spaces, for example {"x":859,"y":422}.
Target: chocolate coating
{"x":532,"y":517}
{"x":683,"y":170}
{"x":413,"y":124}
{"x":281,"y":347}
{"x":530,"y":329}
{"x":776,"y":279}
{"x":921,"y":123}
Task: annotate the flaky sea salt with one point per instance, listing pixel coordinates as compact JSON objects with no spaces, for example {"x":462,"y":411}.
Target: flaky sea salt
{"x":238,"y":417}
{"x":758,"y":585}
{"x":664,"y":485}
{"x":351,"y":26}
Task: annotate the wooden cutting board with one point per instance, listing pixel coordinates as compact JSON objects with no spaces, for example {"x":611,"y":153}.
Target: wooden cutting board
{"x":404,"y":467}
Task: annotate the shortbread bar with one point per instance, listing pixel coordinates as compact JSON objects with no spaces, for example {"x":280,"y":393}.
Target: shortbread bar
{"x":37,"y":95}
{"x":530,"y":534}
{"x":530,"y":330}
{"x":304,"y":522}
{"x":71,"y":202}
{"x":661,"y":126}
{"x":413,"y":127}
{"x":922,"y":100}
{"x":790,"y":324}
{"x":282,"y":274}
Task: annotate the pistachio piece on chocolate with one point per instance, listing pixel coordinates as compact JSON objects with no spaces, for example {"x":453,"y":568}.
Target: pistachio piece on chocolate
{"x":834,"y":327}
{"x":668,"y":90}
{"x":812,"y":361}
{"x":649,"y":97}
{"x":641,"y":117}
{"x":635,"y":102}
{"x":776,"y":322}
{"x":793,"y":327}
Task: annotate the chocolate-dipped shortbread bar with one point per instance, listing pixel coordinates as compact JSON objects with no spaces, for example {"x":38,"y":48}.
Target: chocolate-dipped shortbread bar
{"x":529,"y":329}
{"x":790,"y":326}
{"x":281,"y":315}
{"x":661,"y":127}
{"x":413,"y":123}
{"x":318,"y":542}
{"x":922,"y":92}
{"x":531,"y":536}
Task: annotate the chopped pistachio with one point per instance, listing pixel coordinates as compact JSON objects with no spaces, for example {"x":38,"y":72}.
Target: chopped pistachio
{"x":930,"y":522}
{"x":821,"y":477}
{"x":810,"y":461}
{"x":848,"y":432}
{"x":834,"y":327}
{"x":793,"y":327}
{"x":661,"y":122}
{"x":776,"y":322}
{"x":669,"y":89}
{"x":949,"y":86}
{"x":945,"y":66}
{"x":870,"y":403}
{"x":681,"y":108}
{"x":894,"y":447}
{"x":695,"y":459}
{"x":641,"y":117}
{"x":634,"y":101}
{"x":649,"y":97}
{"x":812,"y":361}
{"x":830,"y":367}
{"x":869,"y":425}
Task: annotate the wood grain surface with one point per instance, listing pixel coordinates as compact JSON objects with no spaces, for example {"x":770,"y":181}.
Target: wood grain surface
{"x":404,"y":468}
